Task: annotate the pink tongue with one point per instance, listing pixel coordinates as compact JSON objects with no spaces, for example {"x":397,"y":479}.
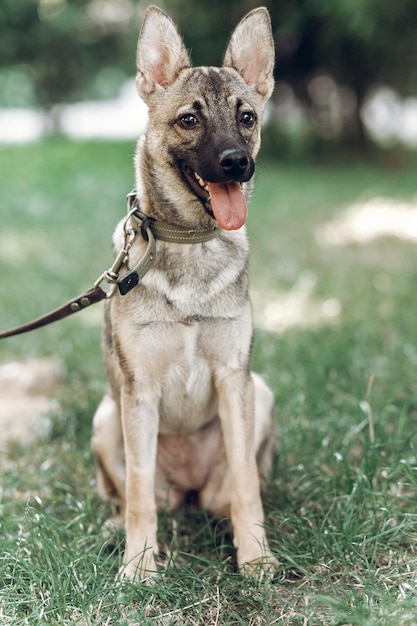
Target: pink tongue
{"x":228,"y":204}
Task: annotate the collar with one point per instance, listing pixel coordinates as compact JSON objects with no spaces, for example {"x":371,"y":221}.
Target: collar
{"x":150,"y":229}
{"x":165,"y":231}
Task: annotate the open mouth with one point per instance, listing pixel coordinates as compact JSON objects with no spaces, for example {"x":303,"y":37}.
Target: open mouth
{"x":226,"y":200}
{"x":197,"y":184}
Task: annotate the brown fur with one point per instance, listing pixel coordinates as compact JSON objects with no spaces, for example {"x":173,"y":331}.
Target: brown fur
{"x":183,"y":411}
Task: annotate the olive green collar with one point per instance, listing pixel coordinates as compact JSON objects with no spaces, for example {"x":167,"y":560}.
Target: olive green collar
{"x":165,"y":231}
{"x":150,"y":230}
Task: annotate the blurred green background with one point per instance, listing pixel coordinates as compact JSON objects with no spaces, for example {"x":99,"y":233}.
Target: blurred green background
{"x":332,"y":59}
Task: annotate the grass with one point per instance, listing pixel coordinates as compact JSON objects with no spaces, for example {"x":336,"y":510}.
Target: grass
{"x":341,"y":508}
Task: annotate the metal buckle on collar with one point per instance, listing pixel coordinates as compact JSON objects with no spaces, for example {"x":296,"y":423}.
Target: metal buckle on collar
{"x":132,"y":200}
{"x":132,"y":277}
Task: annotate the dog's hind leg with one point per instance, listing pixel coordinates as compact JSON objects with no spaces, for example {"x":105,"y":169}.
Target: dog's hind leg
{"x":107,"y":446}
{"x":215,"y":496}
{"x":265,"y":427}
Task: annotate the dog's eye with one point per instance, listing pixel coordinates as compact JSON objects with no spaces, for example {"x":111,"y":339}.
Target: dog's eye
{"x":188,"y":121}
{"x":247,"y":119}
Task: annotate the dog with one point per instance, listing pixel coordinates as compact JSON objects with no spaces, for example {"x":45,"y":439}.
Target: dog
{"x":183,"y":412}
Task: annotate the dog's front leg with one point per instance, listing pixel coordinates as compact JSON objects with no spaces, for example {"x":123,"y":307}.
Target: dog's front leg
{"x":140,"y":431}
{"x":236,"y":409}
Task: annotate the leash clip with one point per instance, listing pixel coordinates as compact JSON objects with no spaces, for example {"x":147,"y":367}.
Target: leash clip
{"x":111,"y":275}
{"x":132,"y":277}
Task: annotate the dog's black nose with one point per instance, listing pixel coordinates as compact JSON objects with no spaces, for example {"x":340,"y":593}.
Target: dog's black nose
{"x":234,"y":163}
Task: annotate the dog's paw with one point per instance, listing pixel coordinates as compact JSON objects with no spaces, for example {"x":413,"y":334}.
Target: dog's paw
{"x":261,"y":569}
{"x":113,"y":526}
{"x":142,"y":568}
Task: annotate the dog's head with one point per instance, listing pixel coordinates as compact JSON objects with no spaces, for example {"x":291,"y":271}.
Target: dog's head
{"x":204,"y":122}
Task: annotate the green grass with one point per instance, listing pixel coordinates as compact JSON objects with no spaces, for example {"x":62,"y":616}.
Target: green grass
{"x":341,"y":508}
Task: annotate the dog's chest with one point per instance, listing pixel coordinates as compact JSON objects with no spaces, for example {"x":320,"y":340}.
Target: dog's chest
{"x":188,"y":317}
{"x":186,"y":383}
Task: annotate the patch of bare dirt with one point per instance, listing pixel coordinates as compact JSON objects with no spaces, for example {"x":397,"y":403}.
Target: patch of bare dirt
{"x":27,"y":392}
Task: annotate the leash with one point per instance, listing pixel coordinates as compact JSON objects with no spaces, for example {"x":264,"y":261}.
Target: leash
{"x":134,"y":223}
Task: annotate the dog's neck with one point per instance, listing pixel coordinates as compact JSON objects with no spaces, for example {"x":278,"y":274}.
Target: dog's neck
{"x":165,"y":231}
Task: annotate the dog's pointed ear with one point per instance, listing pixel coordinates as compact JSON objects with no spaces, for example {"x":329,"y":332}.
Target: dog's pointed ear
{"x":161,"y":53}
{"x":251,"y":51}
